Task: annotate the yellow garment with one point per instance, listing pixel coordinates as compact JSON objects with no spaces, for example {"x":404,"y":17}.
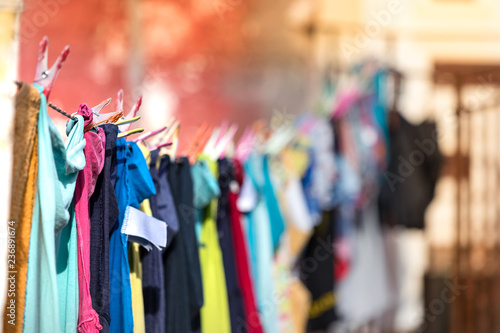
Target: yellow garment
{"x":295,"y":159}
{"x":134,"y":260}
{"x":215,"y":310}
{"x":135,"y":264}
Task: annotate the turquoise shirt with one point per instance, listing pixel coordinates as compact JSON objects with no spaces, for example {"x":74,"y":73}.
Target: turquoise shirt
{"x":261,"y":243}
{"x":58,"y":166}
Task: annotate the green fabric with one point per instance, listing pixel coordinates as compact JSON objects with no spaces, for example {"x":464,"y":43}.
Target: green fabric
{"x":67,"y":275}
{"x":215,"y":310}
{"x":67,"y":241}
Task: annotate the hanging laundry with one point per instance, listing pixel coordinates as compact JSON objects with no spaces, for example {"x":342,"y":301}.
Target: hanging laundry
{"x":361,"y":299}
{"x":316,"y":265}
{"x":67,"y":240}
{"x":133,"y":185}
{"x":252,"y":316}
{"x":215,"y":314}
{"x":23,"y":195}
{"x":127,"y":236}
{"x":409,"y":183}
{"x":88,"y":319}
{"x":136,"y":287}
{"x":259,"y":227}
{"x":150,"y":233}
{"x":183,"y":281}
{"x":55,"y":187}
{"x":153,"y":284}
{"x":103,"y":214}
{"x":235,"y":301}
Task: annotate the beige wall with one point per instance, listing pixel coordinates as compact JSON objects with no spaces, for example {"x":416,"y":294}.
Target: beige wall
{"x":8,"y":69}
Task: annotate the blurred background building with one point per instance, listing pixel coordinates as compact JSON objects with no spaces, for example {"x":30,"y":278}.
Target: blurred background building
{"x":242,"y":60}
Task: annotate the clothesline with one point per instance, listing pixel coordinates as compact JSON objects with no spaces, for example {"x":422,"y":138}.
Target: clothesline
{"x":113,"y":235}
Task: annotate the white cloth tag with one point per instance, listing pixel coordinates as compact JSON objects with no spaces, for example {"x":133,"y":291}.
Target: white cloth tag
{"x":144,"y":229}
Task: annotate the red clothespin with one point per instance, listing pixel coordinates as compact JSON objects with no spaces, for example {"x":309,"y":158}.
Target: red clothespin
{"x":199,"y":141}
{"x":44,"y":76}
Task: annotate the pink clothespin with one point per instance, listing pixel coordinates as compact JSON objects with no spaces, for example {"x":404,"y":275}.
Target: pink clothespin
{"x":245,"y":145}
{"x":119,"y":100}
{"x":346,"y":100}
{"x":161,"y":145}
{"x":124,"y":125}
{"x":44,"y":76}
{"x":224,"y":143}
{"x":149,"y":134}
{"x":131,"y":114}
{"x":222,"y":132}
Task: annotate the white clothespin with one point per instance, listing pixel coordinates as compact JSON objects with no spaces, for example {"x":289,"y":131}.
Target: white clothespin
{"x":45,"y":76}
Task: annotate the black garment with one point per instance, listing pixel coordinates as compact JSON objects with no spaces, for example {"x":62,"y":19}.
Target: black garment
{"x":183,"y":285}
{"x":153,"y":282}
{"x":316,"y":267}
{"x":235,"y":300}
{"x":103,"y":213}
{"x":409,"y":183}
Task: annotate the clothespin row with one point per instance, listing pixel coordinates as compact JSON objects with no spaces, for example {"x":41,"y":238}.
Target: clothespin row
{"x":46,"y":77}
{"x":212,"y":141}
{"x":164,"y":141}
{"x":169,"y":130}
{"x":216,"y":142}
{"x":150,"y":134}
{"x":245,"y":145}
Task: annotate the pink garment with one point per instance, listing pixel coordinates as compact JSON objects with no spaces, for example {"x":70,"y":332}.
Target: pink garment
{"x":346,"y":100}
{"x":88,"y":319}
